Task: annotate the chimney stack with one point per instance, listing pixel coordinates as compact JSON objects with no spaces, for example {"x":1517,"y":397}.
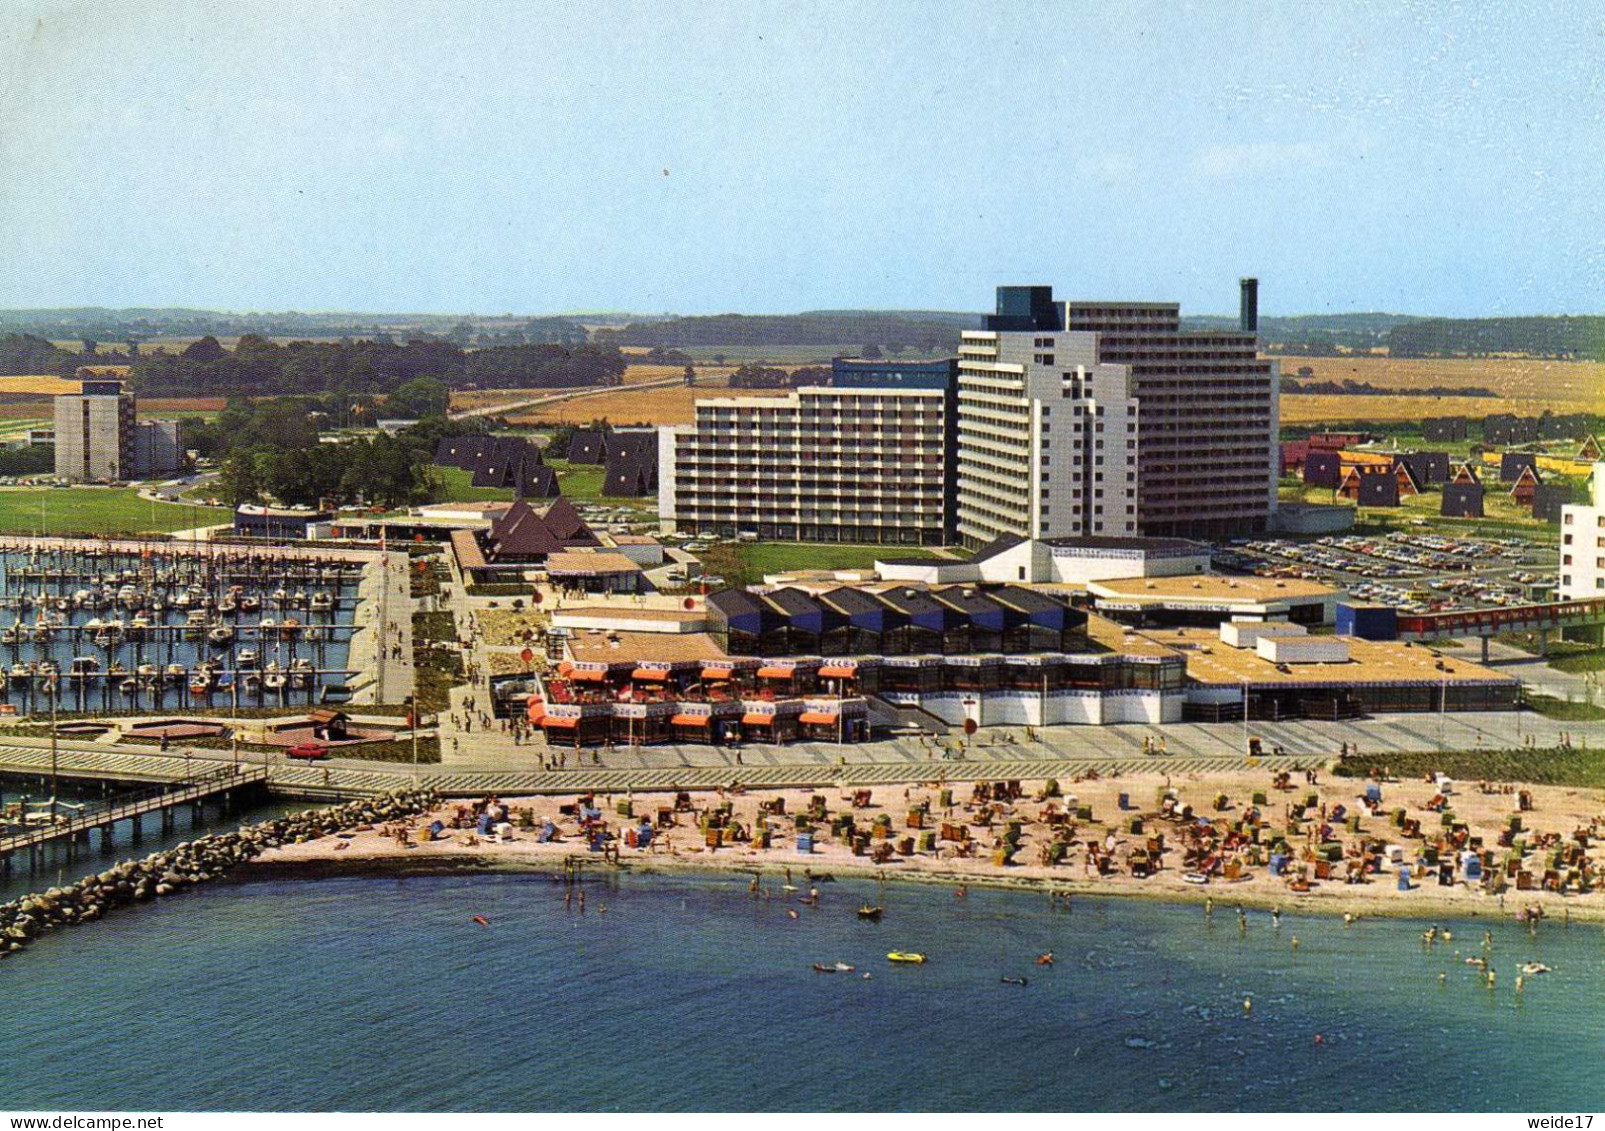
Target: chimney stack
{"x":1248,"y":307}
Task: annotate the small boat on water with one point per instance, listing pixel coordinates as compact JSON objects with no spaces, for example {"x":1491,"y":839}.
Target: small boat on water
{"x":129,"y":687}
{"x":1531,"y":968}
{"x":322,"y":602}
{"x":301,"y":673}
{"x":834,"y":968}
{"x":871,"y":913}
{"x":273,"y":677}
{"x":249,"y":603}
{"x":907,"y":957}
{"x":220,"y":634}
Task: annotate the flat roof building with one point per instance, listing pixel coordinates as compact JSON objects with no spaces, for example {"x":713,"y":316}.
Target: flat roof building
{"x":1080,"y":418}
{"x":866,"y":458}
{"x":1582,"y":543}
{"x":99,"y":436}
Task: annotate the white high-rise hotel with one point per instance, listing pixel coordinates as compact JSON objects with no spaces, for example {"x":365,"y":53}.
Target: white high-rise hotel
{"x":1105,"y":418}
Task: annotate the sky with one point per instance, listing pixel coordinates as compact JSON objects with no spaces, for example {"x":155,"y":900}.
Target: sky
{"x":485,"y":157}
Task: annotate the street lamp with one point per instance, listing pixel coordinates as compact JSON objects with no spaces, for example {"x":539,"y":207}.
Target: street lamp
{"x":1245,"y":717}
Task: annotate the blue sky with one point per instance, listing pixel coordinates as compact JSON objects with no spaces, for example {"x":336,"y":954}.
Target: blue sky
{"x":705,"y":157}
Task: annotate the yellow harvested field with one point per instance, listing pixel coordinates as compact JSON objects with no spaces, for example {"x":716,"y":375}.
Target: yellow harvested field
{"x":1307,"y":409}
{"x":1525,"y":385}
{"x":667,"y":404}
{"x":38,"y":385}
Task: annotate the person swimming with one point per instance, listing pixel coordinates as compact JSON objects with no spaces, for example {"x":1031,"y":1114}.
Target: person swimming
{"x":1013,"y":981}
{"x":1045,"y":959}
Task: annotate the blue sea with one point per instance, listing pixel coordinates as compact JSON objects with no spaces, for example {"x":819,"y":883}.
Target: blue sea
{"x":383,"y":993}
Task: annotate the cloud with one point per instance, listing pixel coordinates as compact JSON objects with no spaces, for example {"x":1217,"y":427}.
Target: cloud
{"x":1252,"y":159}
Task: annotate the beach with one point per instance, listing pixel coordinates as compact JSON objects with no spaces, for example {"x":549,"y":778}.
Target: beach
{"x":1161,"y":811}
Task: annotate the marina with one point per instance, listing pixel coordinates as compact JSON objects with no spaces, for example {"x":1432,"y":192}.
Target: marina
{"x":124,"y":628}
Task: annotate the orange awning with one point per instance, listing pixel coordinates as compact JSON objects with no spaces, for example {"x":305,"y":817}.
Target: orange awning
{"x":588,"y":675}
{"x":691,"y":720}
{"x":837,"y":671}
{"x":776,"y":673}
{"x":818,"y":718}
{"x":565,"y":667}
{"x":559,"y":721}
{"x":757,"y":720}
{"x":649,"y":673}
{"x":536,"y":715}
{"x":718,"y":673}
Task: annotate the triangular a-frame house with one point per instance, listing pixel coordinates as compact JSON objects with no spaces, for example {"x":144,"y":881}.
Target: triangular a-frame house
{"x":1463,"y":473}
{"x":1526,"y":487}
{"x":1378,"y":491}
{"x":1462,"y":500}
{"x":1590,"y":450}
{"x":1405,"y":479}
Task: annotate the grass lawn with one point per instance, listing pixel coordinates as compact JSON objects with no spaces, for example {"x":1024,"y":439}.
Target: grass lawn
{"x":98,"y":510}
{"x":1502,"y":516}
{"x":746,"y":564}
{"x":1591,"y":661}
{"x":580,"y":482}
{"x":1543,"y":767}
{"x":460,"y":488}
{"x":1566,"y":710}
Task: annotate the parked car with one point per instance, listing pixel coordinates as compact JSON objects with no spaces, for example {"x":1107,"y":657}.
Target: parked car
{"x":307,"y":751}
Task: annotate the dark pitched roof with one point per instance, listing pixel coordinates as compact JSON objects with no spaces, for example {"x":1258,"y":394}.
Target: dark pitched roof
{"x":1462,"y":500}
{"x":997,"y":546}
{"x":565,"y":522}
{"x":1378,"y":491}
{"x":625,"y":477}
{"x":587,"y":446}
{"x":538,"y":482}
{"x":521,"y":533}
{"x":642,"y":446}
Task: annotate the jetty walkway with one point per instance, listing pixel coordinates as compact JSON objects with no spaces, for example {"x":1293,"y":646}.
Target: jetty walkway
{"x":221,"y":784}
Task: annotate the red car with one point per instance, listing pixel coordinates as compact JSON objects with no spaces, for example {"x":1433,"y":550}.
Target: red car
{"x":311,"y":751}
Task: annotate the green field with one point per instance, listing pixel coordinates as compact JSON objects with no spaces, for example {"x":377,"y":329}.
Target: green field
{"x":97,"y":510}
{"x":459,"y":487}
{"x":580,"y":482}
{"x":746,"y":564}
{"x":1502,"y":516}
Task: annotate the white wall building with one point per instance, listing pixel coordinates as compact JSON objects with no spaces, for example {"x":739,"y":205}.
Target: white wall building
{"x":1582,"y":544}
{"x":1106,"y":418}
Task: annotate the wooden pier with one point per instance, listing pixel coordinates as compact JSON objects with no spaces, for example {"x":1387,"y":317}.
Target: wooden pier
{"x":221,"y":785}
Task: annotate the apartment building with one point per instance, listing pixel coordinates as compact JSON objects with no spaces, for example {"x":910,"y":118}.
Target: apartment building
{"x":1582,"y":544}
{"x":870,"y":457}
{"x":99,"y":438}
{"x":1105,"y":418}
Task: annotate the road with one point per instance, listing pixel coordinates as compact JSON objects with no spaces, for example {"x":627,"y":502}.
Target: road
{"x":491,"y":763}
{"x":566,"y":395}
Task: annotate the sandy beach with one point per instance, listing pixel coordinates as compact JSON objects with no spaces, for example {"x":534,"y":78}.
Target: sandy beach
{"x":1178,"y":816}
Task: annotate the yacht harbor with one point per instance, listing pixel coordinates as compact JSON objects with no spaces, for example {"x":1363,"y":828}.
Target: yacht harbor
{"x":127,"y":627}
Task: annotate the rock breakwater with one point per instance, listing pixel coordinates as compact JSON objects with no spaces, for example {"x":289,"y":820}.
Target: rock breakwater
{"x":192,"y":862}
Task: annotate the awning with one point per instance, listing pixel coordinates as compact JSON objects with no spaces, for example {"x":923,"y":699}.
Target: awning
{"x":717,"y":673}
{"x":757,"y":720}
{"x":560,"y":721}
{"x":536,"y":715}
{"x":818,"y":718}
{"x":776,"y":673}
{"x":650,"y":673}
{"x":565,"y":667}
{"x":838,"y":671}
{"x":588,"y":675}
{"x":691,"y":720}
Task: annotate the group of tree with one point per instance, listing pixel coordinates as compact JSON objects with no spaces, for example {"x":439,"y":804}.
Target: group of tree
{"x":828,"y":329}
{"x":1351,"y":388}
{"x":767,"y":377}
{"x":273,"y":450}
{"x":258,"y":367}
{"x":1561,"y":336}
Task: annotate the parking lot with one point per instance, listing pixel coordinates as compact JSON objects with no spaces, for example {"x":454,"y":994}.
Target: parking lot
{"x":1417,"y":572}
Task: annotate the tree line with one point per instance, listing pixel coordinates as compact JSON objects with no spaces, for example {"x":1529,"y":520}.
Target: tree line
{"x":1562,"y":336}
{"x":259,"y":367}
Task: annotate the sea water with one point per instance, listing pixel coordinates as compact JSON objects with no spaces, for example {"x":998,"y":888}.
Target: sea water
{"x":686,"y":993}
